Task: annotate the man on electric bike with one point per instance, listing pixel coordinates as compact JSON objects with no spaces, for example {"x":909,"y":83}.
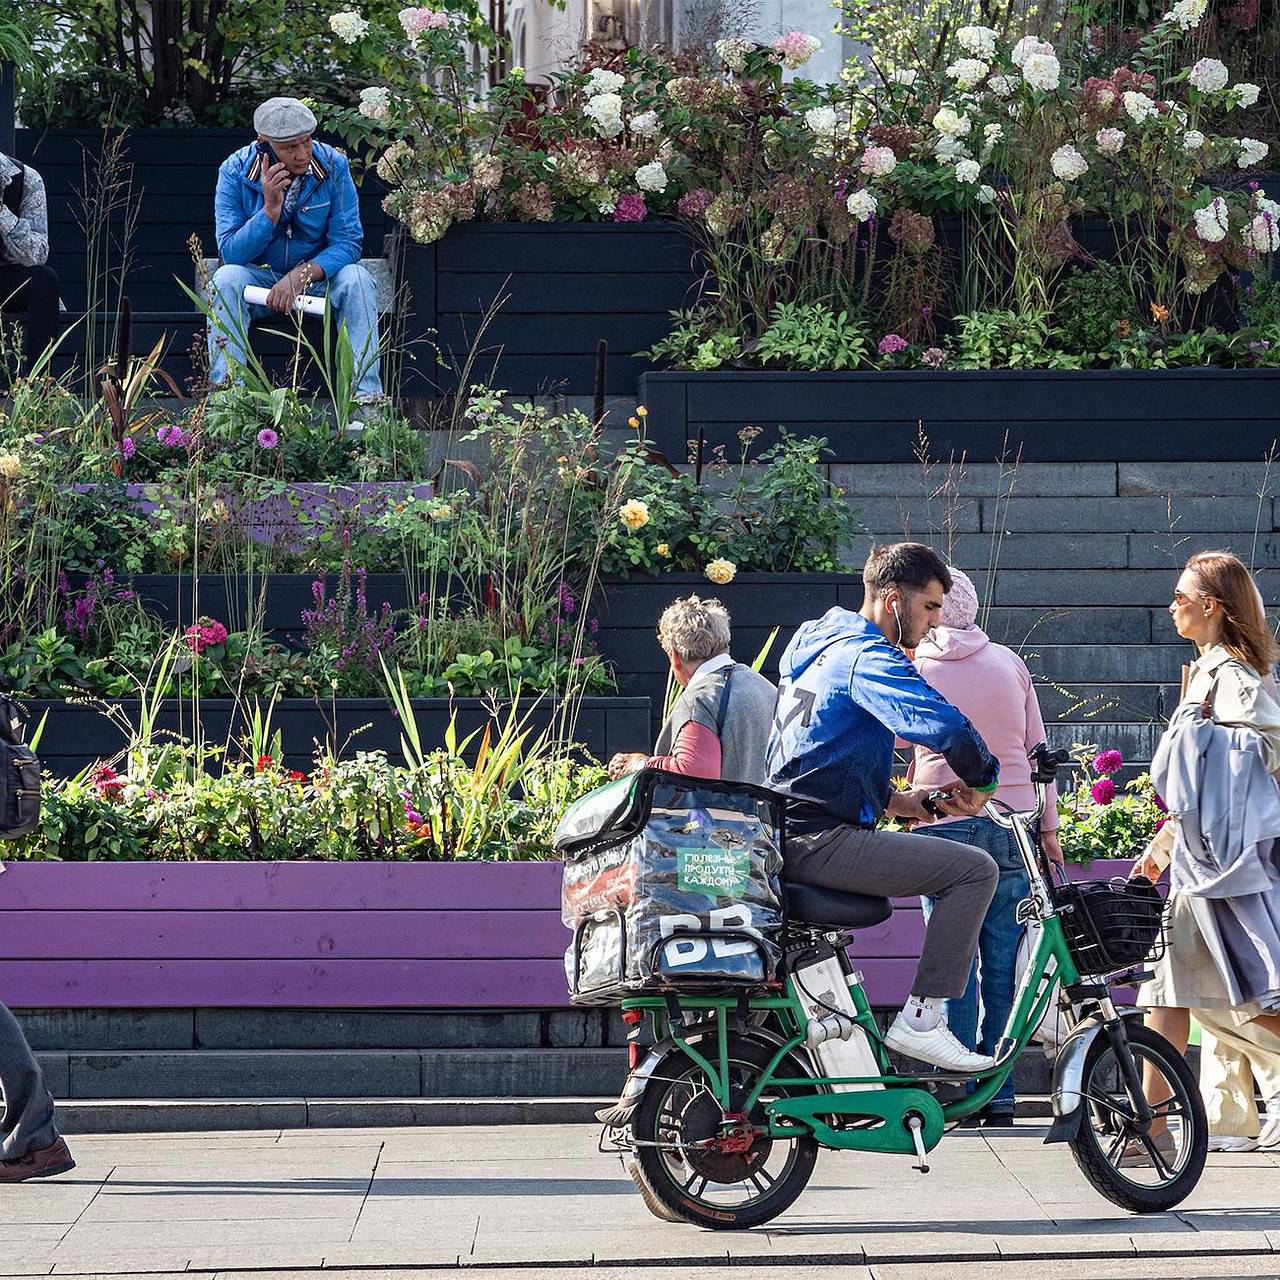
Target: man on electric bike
{"x":847,"y":690}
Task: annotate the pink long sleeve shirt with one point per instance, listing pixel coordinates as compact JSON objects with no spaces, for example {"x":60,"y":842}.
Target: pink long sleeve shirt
{"x":993,"y":687}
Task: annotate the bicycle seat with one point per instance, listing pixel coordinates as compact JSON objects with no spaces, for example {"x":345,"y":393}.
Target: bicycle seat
{"x":809,"y":904}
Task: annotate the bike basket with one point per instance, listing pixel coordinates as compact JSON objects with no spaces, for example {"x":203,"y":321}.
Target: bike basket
{"x":671,"y":883}
{"x":1113,"y":924}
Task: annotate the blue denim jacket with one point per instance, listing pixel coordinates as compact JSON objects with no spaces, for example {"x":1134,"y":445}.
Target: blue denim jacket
{"x":325,"y":228}
{"x":845,"y":693}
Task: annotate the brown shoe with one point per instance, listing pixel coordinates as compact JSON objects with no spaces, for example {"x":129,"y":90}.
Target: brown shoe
{"x":52,"y":1160}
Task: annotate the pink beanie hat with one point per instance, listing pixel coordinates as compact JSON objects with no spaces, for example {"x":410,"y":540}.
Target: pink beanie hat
{"x":960,"y":606}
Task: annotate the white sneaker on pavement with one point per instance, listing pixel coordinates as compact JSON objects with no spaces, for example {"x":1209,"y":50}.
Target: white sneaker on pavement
{"x":1220,"y":1142}
{"x":938,"y":1047}
{"x":1269,"y":1138}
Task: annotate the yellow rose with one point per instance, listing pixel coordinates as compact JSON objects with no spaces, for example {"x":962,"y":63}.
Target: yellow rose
{"x":663,"y":549}
{"x":634,"y":514}
{"x":444,"y":512}
{"x":642,"y":411}
{"x":10,"y":465}
{"x":721,"y":572}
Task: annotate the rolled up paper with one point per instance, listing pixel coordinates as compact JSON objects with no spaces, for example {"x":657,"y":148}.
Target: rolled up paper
{"x":256,"y":295}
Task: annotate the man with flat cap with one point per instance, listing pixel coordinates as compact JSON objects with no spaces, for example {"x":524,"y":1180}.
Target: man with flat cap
{"x":288,"y":221}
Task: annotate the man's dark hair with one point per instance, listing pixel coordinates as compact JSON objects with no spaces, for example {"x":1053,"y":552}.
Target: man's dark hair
{"x":909,"y":566}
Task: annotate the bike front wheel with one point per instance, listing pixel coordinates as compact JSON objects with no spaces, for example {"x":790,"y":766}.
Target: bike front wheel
{"x":681,"y":1177}
{"x":1142,"y":1168}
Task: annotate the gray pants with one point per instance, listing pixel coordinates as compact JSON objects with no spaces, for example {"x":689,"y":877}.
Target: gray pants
{"x":26,"y":1119}
{"x":960,"y":878}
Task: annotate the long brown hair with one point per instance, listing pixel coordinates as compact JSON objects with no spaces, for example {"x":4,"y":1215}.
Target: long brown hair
{"x":1245,"y":633}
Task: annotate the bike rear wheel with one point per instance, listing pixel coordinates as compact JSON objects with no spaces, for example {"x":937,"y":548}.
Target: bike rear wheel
{"x":720,"y":1190}
{"x":1130,"y":1167}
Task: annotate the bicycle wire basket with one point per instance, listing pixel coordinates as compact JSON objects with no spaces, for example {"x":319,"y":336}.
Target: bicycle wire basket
{"x":1112,"y":924}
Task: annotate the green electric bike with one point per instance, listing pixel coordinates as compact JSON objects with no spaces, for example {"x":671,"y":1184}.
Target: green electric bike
{"x":720,"y":1123}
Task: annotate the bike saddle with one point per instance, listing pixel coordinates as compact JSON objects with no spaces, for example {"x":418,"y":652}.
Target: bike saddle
{"x":809,"y":904}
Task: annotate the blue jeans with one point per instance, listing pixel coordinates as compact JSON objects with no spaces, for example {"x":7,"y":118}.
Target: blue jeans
{"x":26,"y":1109}
{"x":352,"y":295}
{"x":994,"y":968}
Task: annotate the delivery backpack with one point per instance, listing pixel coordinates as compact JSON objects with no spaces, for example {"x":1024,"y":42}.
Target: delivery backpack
{"x":19,"y":776}
{"x":671,"y":883}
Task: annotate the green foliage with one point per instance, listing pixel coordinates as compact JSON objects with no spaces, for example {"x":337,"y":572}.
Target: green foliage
{"x":1120,"y":828}
{"x":1094,"y":309}
{"x":1004,"y":339}
{"x":813,"y":337}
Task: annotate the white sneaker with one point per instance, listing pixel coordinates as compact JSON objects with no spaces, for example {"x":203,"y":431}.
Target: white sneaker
{"x":1219,"y":1142}
{"x":937,"y":1047}
{"x":1269,"y":1138}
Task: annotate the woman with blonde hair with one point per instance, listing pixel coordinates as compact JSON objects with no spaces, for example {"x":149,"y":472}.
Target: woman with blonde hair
{"x":1222,"y":961}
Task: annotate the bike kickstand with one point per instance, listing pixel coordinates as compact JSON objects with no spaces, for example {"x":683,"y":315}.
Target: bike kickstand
{"x":917,"y":1136}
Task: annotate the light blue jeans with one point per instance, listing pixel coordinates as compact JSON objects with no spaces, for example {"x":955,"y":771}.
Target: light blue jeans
{"x":995,"y":967}
{"x":352,"y":295}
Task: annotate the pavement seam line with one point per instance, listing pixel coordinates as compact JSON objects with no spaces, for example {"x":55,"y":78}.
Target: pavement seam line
{"x":373,"y":1173}
{"x":1013,"y":1173}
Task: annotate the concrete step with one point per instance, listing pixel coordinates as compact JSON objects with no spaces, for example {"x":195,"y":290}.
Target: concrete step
{"x":335,"y":1073}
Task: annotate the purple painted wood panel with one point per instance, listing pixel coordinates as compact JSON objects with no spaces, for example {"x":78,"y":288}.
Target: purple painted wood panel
{"x":311,"y":935}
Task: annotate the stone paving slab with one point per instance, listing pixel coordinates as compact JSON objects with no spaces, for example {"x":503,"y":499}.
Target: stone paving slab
{"x":438,"y":1199}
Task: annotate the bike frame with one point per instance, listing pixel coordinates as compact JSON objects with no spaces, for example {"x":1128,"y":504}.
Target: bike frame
{"x":809,"y":1097}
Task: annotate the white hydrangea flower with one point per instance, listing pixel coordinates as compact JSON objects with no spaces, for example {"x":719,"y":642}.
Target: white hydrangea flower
{"x":1139,"y":106}
{"x":1192,"y":140}
{"x":605,"y":112}
{"x":1042,"y":71}
{"x":733,"y":53}
{"x":1209,"y":75}
{"x":796,"y":48}
{"x":1002,"y":86}
{"x":1068,"y":164}
{"x":967,"y":171}
{"x":978,"y":41}
{"x":651,"y":177}
{"x":951,"y":123}
{"x":646,"y":124}
{"x":949,"y":150}
{"x":375,"y":102}
{"x":1213,"y":221}
{"x":1027,"y":46}
{"x":348,"y":26}
{"x":1109,"y":141}
{"x":601,"y":81}
{"x":966,"y":72}
{"x":1263,"y":233}
{"x":1266,"y":206}
{"x":1251,"y":152}
{"x":986,"y":193}
{"x":1245,"y":94}
{"x":878,"y":162}
{"x":606,"y":199}
{"x":1187,"y":13}
{"x":861,"y":205}
{"x":904,"y":75}
{"x":822,"y":120}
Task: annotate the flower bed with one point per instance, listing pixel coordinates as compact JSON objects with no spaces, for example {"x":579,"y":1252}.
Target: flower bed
{"x":1047,"y":415}
{"x":298,"y":935}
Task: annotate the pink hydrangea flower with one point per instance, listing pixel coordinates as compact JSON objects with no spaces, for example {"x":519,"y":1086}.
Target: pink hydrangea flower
{"x":693,"y":204}
{"x":128,"y":448}
{"x":630,"y":208}
{"x":1107,"y":762}
{"x":417,"y":20}
{"x":203,"y":633}
{"x":892,"y":343}
{"x":171,"y":435}
{"x":796,"y":48}
{"x":933,"y":357}
{"x":267,"y":439}
{"x":1104,"y":791}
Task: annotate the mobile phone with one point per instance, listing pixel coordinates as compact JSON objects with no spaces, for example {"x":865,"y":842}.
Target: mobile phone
{"x":268,"y":156}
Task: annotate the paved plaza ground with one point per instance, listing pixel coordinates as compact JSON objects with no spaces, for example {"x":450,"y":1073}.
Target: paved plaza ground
{"x":539,"y":1200}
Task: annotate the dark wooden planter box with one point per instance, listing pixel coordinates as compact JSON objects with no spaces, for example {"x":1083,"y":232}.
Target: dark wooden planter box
{"x":174,"y":172}
{"x":77,"y":734}
{"x":1050,"y":415}
{"x":298,"y":935}
{"x":563,"y":287}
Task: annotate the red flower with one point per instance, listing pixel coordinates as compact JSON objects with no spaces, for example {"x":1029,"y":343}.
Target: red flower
{"x":108,"y":784}
{"x":263,"y":764}
{"x":295,"y":776}
{"x":1104,"y":791}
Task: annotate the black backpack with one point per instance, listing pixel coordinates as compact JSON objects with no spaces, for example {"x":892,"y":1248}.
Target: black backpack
{"x":19,"y":776}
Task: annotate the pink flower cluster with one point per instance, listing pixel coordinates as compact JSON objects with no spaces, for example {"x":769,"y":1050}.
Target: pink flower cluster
{"x":107,"y":783}
{"x":203,"y":633}
{"x":1108,"y":762}
{"x":417,"y":20}
{"x":630,"y":208}
{"x":1104,"y":791}
{"x":172,"y":435}
{"x":693,"y":204}
{"x":892,"y":343}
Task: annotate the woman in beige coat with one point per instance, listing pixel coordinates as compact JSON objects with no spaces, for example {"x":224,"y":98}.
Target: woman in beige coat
{"x":1218,"y":608}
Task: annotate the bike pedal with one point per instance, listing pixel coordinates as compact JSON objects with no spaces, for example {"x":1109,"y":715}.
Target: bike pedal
{"x":917,"y":1137}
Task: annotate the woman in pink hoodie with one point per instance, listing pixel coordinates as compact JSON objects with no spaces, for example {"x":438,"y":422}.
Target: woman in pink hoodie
{"x":992,"y":686}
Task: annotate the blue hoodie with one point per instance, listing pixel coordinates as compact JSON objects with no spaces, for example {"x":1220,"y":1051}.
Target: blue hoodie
{"x":325,"y":228}
{"x":845,"y":694}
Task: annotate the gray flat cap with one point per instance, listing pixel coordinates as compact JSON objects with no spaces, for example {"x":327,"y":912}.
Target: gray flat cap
{"x":284,"y":119}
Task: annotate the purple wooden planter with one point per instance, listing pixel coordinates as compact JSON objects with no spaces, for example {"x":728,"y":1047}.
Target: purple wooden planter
{"x":300,"y":935}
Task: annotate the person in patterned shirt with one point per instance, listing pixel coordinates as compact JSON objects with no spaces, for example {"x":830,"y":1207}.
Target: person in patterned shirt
{"x":28,"y":286}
